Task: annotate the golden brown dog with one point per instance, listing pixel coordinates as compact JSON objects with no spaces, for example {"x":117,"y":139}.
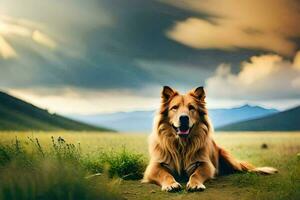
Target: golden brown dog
{"x":181,"y":145}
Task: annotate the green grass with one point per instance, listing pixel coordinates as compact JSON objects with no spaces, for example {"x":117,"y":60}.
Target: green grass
{"x":62,"y":171}
{"x":122,"y":164}
{"x":76,"y":165}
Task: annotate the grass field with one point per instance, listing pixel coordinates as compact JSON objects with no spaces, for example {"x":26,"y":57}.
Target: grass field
{"x":77,"y":165}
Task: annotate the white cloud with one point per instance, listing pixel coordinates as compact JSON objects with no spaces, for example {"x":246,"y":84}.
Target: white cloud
{"x":78,"y":101}
{"x":81,"y":101}
{"x":239,"y":24}
{"x":266,"y":77}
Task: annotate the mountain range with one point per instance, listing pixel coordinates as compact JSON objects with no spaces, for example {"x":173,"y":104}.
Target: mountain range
{"x":141,"y":121}
{"x":18,"y":115}
{"x":288,"y":120}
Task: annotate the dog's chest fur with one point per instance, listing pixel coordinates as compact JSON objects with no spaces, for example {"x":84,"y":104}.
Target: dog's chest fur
{"x":180,"y":154}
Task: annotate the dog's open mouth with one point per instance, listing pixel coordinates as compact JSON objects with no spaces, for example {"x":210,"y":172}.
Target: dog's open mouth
{"x":182,"y":130}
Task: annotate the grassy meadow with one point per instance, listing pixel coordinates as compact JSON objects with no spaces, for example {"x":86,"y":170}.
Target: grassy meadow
{"x":92,"y":165}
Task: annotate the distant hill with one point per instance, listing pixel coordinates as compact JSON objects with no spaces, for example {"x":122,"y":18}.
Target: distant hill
{"x":222,"y":117}
{"x":142,"y":120}
{"x":121,"y":121}
{"x":18,"y":115}
{"x":288,"y":120}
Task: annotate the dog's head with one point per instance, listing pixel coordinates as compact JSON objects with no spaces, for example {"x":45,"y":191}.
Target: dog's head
{"x":183,"y":112}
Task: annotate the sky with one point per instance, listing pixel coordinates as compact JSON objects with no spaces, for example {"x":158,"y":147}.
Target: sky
{"x":94,"y":56}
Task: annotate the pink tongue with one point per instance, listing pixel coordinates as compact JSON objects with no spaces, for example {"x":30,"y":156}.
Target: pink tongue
{"x":184,"y":132}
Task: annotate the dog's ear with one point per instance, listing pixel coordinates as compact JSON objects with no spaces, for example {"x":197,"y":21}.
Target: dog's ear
{"x":199,"y":93}
{"x":167,"y":92}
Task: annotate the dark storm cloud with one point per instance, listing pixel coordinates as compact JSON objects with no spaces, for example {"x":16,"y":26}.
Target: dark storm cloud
{"x":106,"y":53}
{"x":139,"y":33}
{"x":80,"y":55}
{"x":119,"y":44}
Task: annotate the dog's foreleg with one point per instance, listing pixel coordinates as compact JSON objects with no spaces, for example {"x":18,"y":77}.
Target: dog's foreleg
{"x":158,"y":174}
{"x":202,"y":173}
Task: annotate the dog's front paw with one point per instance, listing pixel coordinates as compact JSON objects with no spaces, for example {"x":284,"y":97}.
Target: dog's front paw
{"x":171,"y":187}
{"x":193,"y":186}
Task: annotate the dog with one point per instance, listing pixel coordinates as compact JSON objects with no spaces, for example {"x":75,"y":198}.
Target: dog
{"x":181,"y":146}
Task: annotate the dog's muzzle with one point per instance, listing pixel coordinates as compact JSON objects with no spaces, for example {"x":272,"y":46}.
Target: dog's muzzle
{"x":184,"y":128}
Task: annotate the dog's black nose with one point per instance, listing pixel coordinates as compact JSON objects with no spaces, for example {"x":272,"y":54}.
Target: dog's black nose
{"x":184,"y":120}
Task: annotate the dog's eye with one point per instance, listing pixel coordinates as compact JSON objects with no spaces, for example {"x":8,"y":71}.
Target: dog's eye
{"x":174,"y":108}
{"x":191,"y":108}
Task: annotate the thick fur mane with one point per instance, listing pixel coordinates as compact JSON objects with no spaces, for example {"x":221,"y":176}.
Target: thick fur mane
{"x":179,"y":153}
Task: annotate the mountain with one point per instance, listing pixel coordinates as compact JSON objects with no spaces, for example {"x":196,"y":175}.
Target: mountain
{"x":142,"y":120}
{"x":121,"y":121}
{"x":288,"y":120}
{"x":18,"y":115}
{"x":222,"y":117}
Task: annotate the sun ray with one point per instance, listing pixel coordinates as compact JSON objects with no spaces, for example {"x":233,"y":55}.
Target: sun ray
{"x":6,"y":50}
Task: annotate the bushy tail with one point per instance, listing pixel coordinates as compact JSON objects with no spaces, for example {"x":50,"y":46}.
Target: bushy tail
{"x":228,"y":165}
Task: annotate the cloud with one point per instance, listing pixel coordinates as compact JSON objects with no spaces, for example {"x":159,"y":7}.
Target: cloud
{"x":243,"y":24}
{"x":52,"y":25}
{"x":6,"y":51}
{"x":296,"y":63}
{"x":202,"y":34}
{"x":181,"y":76}
{"x":11,"y":26}
{"x":14,"y":28}
{"x":97,"y":44}
{"x":77,"y":101}
{"x":43,"y":39}
{"x":266,"y":77}
{"x":65,"y":23}
{"x":104,"y":45}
